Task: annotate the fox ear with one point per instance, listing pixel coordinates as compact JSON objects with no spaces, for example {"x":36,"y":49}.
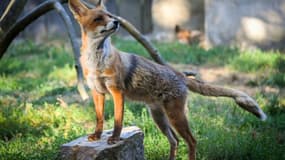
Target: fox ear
{"x":77,"y":8}
{"x":177,"y":28}
{"x":100,"y":3}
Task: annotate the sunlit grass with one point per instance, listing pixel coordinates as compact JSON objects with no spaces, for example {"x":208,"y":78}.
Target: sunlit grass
{"x":254,"y":61}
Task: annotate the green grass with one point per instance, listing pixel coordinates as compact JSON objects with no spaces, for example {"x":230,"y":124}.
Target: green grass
{"x":270,"y":65}
{"x":253,"y":61}
{"x":34,"y":124}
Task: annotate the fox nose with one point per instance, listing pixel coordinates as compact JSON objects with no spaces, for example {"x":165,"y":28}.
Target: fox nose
{"x":116,"y":23}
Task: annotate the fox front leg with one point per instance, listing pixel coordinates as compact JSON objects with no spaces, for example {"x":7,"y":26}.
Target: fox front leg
{"x":118,"y":98}
{"x":99,"y":101}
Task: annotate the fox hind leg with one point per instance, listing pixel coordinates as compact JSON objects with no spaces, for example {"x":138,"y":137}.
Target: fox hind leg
{"x":162,"y":122}
{"x":175,"y":112}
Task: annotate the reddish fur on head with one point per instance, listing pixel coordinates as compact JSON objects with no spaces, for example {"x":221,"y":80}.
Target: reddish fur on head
{"x":90,"y":19}
{"x":183,"y":35}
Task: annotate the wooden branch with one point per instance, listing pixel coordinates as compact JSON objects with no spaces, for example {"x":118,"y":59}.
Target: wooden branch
{"x":154,"y":53}
{"x":3,"y":6}
{"x":10,"y":10}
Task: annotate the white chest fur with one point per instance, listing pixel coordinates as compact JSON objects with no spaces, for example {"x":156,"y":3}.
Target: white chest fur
{"x":95,"y":62}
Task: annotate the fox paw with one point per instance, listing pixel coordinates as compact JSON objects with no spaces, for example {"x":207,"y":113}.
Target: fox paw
{"x":113,"y":140}
{"x":94,"y":137}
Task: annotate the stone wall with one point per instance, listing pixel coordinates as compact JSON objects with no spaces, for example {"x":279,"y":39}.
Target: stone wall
{"x":246,"y":23}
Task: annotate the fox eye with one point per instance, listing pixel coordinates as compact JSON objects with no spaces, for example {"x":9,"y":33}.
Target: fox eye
{"x":98,"y":19}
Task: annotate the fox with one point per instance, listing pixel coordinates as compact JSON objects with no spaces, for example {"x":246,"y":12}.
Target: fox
{"x":122,"y":75}
{"x":188,"y":36}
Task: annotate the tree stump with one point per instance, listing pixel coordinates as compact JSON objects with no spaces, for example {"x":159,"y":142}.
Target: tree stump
{"x":129,"y":148}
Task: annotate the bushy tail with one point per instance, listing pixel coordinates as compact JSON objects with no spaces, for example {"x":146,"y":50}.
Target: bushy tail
{"x":241,"y":98}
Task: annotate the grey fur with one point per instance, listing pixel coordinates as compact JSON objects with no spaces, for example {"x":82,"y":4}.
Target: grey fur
{"x":151,"y":82}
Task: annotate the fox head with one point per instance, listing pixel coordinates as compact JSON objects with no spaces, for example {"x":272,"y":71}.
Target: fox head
{"x":95,"y":22}
{"x":183,"y":35}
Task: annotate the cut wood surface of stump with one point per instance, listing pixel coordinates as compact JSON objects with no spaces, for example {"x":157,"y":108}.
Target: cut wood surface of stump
{"x":130,"y":147}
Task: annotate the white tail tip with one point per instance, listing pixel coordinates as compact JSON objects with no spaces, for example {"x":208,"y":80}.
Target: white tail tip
{"x":263,"y":116}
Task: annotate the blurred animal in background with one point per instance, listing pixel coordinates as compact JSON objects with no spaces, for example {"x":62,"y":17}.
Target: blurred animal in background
{"x":188,"y":36}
